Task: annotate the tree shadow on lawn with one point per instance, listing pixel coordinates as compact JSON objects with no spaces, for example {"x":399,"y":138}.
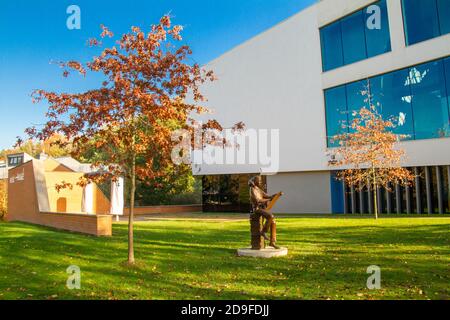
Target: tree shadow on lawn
{"x":223,"y":241}
{"x":201,"y":263}
{"x":219,"y":239}
{"x":432,"y":235}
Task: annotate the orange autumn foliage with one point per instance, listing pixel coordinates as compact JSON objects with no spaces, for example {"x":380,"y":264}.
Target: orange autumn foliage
{"x":149,"y":90}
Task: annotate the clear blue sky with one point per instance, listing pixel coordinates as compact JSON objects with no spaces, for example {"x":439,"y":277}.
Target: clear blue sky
{"x":33,"y":33}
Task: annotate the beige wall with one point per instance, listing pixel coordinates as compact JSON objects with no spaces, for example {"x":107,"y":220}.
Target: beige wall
{"x":53,"y":165}
{"x":73,"y":196}
{"x":102,"y":205}
{"x":304,"y":192}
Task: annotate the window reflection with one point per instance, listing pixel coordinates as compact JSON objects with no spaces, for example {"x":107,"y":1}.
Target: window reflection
{"x":415,"y":76}
{"x":429,"y":102}
{"x":336,"y":113}
{"x":355,"y":99}
{"x":393,"y":93}
{"x":416,"y":99}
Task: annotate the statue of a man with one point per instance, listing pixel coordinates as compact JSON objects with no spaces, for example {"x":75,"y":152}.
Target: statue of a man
{"x":259,"y":201}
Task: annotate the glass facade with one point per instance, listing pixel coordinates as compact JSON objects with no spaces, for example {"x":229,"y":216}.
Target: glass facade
{"x":356,"y":37}
{"x":331,"y":39}
{"x":353,"y":38}
{"x":430,"y":105}
{"x":337,"y":193}
{"x":425,"y":19}
{"x":417,"y":99}
{"x":399,"y":200}
{"x":443,"y":7}
{"x":227,"y":193}
{"x":378,"y":41}
{"x":336,"y":113}
{"x":395,"y":100}
{"x":355,"y":98}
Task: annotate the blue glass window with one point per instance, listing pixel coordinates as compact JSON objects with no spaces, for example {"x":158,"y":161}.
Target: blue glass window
{"x":331,"y":39}
{"x":337,"y":193}
{"x":429,"y":100}
{"x":444,"y":15}
{"x":392,"y":92}
{"x":353,"y":38}
{"x":425,"y":19}
{"x":447,"y":82}
{"x":336,"y":113}
{"x":378,"y":41}
{"x":417,"y":99}
{"x":355,"y":98}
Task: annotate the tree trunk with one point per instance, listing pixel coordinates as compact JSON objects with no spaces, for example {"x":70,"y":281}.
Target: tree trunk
{"x":375,"y":192}
{"x":131,"y":216}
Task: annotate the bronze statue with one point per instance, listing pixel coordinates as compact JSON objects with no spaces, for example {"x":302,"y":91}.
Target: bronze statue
{"x":261,"y":204}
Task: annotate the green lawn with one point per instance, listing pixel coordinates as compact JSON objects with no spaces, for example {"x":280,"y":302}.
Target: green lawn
{"x":194,"y":259}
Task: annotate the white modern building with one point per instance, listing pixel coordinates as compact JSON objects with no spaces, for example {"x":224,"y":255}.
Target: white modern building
{"x":304,"y":77}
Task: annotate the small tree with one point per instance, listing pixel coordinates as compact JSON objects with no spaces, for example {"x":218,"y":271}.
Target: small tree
{"x":369,"y":153}
{"x":149,"y":90}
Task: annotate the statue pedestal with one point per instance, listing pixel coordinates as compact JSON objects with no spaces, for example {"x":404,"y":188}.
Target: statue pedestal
{"x":267,"y":252}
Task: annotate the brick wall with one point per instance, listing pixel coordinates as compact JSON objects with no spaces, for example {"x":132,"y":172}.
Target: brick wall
{"x":98,"y":225}
{"x":23,"y":205}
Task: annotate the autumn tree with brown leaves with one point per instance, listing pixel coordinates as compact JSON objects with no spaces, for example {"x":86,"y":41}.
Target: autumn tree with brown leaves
{"x":369,"y":152}
{"x":131,"y":117}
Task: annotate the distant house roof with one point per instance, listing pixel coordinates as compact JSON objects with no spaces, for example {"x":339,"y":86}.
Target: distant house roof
{"x":67,"y":162}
